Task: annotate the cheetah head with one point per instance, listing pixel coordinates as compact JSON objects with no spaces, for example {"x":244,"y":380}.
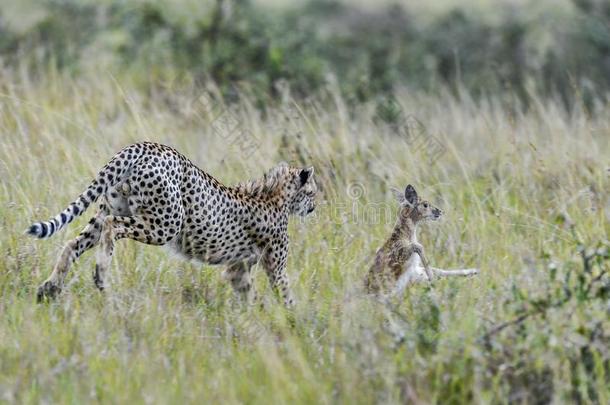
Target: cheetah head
{"x":294,"y":186}
{"x":303,"y":190}
{"x":416,"y":208}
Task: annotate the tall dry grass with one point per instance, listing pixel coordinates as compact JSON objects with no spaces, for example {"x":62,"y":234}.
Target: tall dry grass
{"x":171,"y":331}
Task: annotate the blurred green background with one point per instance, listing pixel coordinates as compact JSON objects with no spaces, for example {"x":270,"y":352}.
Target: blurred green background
{"x":367,"y":48}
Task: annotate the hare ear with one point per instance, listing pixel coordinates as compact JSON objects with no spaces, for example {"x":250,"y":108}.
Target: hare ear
{"x":410,"y":195}
{"x":305,"y":175}
{"x":399,"y":195}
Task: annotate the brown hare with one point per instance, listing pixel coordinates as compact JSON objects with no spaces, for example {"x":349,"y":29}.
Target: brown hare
{"x":401,"y":260}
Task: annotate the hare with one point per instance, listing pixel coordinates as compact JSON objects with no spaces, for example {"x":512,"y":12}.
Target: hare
{"x":401,"y":260}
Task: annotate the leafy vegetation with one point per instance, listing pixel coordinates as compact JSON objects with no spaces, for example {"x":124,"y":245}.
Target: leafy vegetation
{"x":552,"y":48}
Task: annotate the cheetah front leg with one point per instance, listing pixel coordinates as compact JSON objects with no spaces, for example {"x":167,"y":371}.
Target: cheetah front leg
{"x":88,"y":238}
{"x":274,"y":261}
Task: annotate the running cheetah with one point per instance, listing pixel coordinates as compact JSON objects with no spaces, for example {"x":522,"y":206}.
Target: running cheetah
{"x":153,"y":194}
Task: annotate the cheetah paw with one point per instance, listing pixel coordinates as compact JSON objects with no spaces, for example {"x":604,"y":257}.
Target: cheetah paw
{"x":49,"y":290}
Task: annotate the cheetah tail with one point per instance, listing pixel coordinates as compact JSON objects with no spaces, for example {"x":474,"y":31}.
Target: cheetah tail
{"x":45,"y":229}
{"x":108,"y":176}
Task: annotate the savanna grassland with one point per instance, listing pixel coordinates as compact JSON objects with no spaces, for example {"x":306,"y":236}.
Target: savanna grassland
{"x":523,"y":178}
{"x":521,"y":192}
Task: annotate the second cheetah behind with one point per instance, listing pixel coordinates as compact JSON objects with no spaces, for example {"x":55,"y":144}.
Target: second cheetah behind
{"x":153,"y":194}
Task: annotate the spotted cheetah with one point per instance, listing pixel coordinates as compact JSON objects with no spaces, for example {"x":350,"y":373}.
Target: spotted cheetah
{"x":153,"y":194}
{"x":401,"y":260}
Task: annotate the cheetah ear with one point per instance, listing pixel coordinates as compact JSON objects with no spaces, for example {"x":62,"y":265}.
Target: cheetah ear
{"x":305,"y":175}
{"x":410,"y":195}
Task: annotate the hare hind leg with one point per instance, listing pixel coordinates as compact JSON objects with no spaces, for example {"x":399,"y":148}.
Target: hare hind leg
{"x":456,"y":272}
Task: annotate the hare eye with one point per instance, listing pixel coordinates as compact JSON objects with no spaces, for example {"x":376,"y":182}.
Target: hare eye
{"x":425,"y":205}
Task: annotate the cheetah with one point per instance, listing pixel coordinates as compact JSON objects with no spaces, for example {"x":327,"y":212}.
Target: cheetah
{"x":153,"y":194}
{"x":401,"y":260}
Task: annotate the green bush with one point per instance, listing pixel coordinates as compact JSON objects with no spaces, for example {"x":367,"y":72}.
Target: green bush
{"x":370,"y":52}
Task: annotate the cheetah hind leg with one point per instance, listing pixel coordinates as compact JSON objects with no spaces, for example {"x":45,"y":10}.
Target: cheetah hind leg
{"x":240,"y":276}
{"x":87,"y":239}
{"x":138,"y":228}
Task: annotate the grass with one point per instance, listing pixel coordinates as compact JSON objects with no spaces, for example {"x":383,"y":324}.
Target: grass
{"x":170,"y":331}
